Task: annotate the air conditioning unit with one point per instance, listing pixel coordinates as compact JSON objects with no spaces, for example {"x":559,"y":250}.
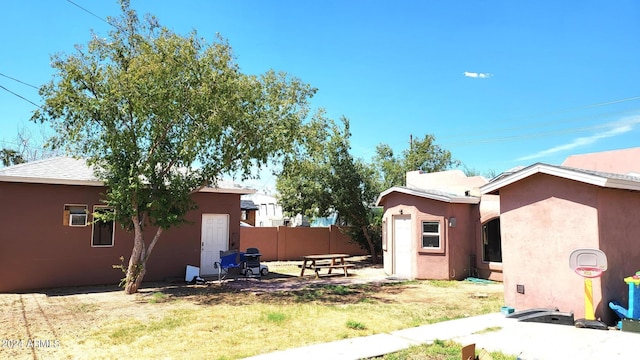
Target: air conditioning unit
{"x":77,"y":219}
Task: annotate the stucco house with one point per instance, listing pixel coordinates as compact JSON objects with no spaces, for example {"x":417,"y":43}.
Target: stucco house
{"x":548,"y":211}
{"x":49,"y":238}
{"x":438,"y":226}
{"x":520,"y":228}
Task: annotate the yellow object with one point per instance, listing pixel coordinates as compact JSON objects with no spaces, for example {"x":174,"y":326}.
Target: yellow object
{"x":632,"y":280}
{"x":589,"y":314}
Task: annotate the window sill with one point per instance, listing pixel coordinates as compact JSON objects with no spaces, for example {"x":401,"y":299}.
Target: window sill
{"x":496,"y":266}
{"x":434,"y":251}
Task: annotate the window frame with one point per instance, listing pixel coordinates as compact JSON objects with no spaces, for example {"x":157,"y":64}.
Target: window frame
{"x":430,"y":234}
{"x":97,"y":208}
{"x":74,"y":209}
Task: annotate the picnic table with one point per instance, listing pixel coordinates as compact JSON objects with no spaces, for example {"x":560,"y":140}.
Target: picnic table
{"x":325,"y":261}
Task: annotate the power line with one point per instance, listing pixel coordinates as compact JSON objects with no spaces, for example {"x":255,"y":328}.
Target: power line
{"x":20,"y":96}
{"x":20,"y":81}
{"x":89,"y":12}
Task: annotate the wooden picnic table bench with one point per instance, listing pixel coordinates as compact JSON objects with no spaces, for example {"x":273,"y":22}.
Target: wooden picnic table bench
{"x":325,"y":261}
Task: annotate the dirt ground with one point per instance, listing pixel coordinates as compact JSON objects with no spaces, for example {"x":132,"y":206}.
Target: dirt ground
{"x":47,"y":323}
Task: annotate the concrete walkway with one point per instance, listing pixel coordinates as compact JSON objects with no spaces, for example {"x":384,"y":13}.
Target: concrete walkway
{"x":527,"y":340}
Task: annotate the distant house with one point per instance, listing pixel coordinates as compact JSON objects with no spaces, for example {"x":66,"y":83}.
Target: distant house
{"x":50,"y":239}
{"x":269,"y":212}
{"x":248,"y":213}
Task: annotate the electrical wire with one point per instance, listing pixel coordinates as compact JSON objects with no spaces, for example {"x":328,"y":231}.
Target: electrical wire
{"x":89,"y":12}
{"x":20,"y":81}
{"x":20,"y":96}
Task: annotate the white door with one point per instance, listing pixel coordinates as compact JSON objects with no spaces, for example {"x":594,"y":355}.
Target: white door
{"x":402,"y":247}
{"x":215,"y":238}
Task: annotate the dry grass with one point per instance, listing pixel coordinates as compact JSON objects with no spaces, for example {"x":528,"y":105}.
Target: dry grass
{"x":229,"y":321}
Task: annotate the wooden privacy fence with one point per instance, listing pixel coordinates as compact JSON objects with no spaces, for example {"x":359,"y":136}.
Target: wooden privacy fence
{"x":292,"y":243}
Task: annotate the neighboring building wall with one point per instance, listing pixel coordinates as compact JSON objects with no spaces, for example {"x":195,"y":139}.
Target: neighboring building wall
{"x":452,"y":181}
{"x":269,"y":212}
{"x":623,"y":161}
{"x":543,"y":219}
{"x":291,"y":243}
{"x":38,"y":251}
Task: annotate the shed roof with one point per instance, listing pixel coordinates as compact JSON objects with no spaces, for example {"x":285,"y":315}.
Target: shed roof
{"x":592,"y":177}
{"x":66,"y":170}
{"x":429,"y":194}
{"x":248,"y":205}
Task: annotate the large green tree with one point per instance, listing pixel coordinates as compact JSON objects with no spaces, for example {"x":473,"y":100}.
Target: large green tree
{"x":423,"y":154}
{"x":161,"y":115}
{"x":323,"y":177}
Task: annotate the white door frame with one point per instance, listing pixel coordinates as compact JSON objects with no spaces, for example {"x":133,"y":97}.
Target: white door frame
{"x":214,"y":237}
{"x":403,"y":246}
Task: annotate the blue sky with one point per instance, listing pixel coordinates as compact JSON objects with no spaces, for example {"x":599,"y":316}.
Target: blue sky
{"x":499,"y":83}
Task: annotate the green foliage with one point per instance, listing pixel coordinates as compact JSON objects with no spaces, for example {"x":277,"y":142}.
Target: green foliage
{"x":322,"y":177}
{"x":276,"y":317}
{"x":161,"y":115}
{"x":355,"y":325}
{"x":424,"y":155}
{"x":158,"y":297}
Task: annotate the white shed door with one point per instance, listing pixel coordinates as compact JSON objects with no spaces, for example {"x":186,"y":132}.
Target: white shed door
{"x":402,"y":247}
{"x":215,"y":238}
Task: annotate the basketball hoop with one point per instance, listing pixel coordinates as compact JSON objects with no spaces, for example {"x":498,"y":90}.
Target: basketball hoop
{"x":589,"y":272}
{"x":588,"y":263}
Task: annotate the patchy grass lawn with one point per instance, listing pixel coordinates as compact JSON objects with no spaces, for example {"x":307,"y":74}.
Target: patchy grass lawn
{"x":216,"y":321}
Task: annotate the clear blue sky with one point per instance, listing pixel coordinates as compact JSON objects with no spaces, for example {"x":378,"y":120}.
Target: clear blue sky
{"x":499,"y":83}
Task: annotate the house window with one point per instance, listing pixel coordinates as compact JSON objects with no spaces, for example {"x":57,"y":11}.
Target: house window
{"x":74,"y":215}
{"x":103,"y":230}
{"x":491,"y":241}
{"x":244,"y":215}
{"x":263,"y":210}
{"x":430,"y":234}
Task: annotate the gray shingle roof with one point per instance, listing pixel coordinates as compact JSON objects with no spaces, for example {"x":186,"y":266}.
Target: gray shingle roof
{"x":70,"y":171}
{"x":430,"y":194}
{"x":597,"y":178}
{"x":54,"y":170}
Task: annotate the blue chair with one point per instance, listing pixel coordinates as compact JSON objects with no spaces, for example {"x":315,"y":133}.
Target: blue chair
{"x":229,"y":260}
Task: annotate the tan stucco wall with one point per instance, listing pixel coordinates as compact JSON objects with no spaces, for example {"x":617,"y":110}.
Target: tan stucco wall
{"x":545,"y":218}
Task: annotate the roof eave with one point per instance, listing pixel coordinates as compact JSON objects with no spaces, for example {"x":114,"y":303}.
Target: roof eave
{"x":33,"y":180}
{"x":447,"y":199}
{"x":228,"y":191}
{"x":569,"y":174}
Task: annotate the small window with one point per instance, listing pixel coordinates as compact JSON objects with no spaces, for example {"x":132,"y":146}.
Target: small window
{"x":491,"y":241}
{"x":243,"y":215}
{"x":430,"y":234}
{"x":103,"y":230}
{"x":74,"y":215}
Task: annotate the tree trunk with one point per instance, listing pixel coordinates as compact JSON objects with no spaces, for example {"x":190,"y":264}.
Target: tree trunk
{"x":372,"y":249}
{"x":138,"y":261}
{"x":136,"y":267}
